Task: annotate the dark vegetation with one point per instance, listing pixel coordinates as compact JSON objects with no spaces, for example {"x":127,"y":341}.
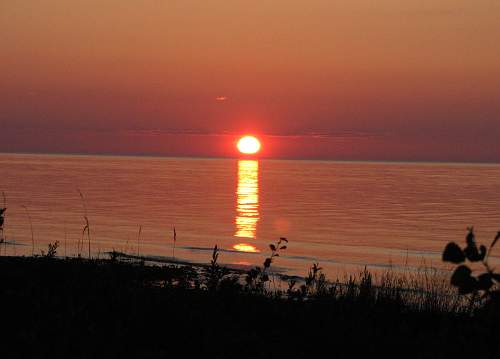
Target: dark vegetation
{"x":483,"y":287}
{"x":2,"y":218}
{"x":86,"y":308}
{"x":54,"y":307}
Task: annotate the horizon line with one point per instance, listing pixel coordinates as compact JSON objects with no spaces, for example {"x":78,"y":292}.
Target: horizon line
{"x":107,"y":154}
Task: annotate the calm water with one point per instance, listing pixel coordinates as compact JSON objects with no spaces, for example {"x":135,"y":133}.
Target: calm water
{"x":342,"y":215}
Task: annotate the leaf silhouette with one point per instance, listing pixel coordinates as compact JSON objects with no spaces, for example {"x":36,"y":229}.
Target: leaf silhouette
{"x":462,"y":279}
{"x":460,"y":275}
{"x":469,"y":286}
{"x":484,"y":281}
{"x":273,"y":247}
{"x":472,"y":253}
{"x":452,"y":253}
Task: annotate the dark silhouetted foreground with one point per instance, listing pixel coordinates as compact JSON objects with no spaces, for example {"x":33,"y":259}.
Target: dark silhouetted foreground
{"x":74,"y":308}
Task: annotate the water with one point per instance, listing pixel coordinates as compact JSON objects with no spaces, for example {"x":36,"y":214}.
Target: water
{"x":344,"y":215}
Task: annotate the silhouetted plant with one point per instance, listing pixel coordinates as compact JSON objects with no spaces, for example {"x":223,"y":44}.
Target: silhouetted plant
{"x":214,"y":273}
{"x":187,"y":276}
{"x":2,"y":218}
{"x":292,"y":292}
{"x":366,"y":284}
{"x":86,"y":228}
{"x":315,"y":284}
{"x":257,"y":277}
{"x":350,"y":290}
{"x":138,"y":240}
{"x":2,"y":221}
{"x":52,"y":250}
{"x":174,"y":240}
{"x":99,"y":297}
{"x":462,"y":277}
{"x":113,"y":256}
{"x":230,"y":283}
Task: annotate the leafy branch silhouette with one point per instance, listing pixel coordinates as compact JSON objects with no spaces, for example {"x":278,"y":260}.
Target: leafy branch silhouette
{"x":257,"y":277}
{"x":462,"y":277}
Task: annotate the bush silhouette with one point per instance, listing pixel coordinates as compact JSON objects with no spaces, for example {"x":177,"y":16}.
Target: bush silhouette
{"x":462,"y":277}
{"x":257,"y":277}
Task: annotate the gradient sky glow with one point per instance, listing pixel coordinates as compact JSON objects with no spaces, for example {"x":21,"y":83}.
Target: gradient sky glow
{"x":348,"y":79}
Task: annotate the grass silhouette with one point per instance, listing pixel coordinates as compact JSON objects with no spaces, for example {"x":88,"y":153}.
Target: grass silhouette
{"x":108,"y":308}
{"x":120,"y":307}
{"x":3,"y":209}
{"x":114,"y":307}
{"x":86,"y":227}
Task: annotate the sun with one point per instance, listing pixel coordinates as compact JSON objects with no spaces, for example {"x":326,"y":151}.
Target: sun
{"x":248,"y":145}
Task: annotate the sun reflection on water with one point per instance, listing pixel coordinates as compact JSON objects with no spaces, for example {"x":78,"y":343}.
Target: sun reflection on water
{"x":245,"y":247}
{"x":247,"y":203}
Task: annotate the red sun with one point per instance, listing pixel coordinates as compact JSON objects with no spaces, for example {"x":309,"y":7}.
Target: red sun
{"x":248,"y":145}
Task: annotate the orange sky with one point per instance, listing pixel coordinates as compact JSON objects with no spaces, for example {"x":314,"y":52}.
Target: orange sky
{"x":358,"y":79}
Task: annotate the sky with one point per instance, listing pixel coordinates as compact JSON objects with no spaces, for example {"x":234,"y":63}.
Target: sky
{"x":321,"y":79}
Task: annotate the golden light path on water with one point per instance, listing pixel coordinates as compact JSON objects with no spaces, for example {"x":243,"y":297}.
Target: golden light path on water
{"x":247,"y":203}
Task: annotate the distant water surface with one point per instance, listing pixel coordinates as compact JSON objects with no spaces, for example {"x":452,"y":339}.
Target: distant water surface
{"x":344,"y":215}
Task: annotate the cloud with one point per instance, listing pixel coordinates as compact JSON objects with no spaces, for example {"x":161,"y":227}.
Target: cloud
{"x":307,"y":134}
